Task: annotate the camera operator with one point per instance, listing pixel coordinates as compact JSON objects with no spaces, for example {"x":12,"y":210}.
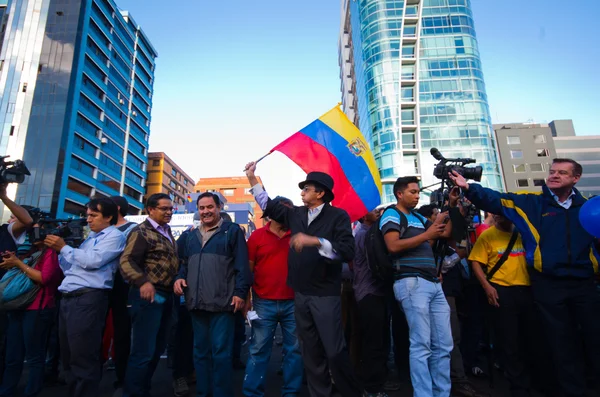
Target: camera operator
{"x":89,"y":273}
{"x":561,"y":263}
{"x":29,"y":324}
{"x":417,"y":287}
{"x":13,"y":232}
{"x":11,"y":235}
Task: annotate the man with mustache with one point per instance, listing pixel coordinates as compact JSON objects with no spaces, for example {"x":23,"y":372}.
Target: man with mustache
{"x":215,"y":279}
{"x":149,"y":264}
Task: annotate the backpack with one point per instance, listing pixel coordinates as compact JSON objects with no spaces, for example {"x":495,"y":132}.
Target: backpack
{"x":378,"y":257}
{"x":17,"y":291}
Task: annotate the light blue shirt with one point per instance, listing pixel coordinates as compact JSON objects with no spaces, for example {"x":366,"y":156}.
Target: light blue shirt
{"x":565,"y":204}
{"x":94,"y":263}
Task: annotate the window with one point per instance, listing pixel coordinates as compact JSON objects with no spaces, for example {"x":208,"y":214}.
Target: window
{"x":228,"y":192}
{"x":155,"y":163}
{"x":408,"y":51}
{"x":131,"y":192}
{"x":174,"y":172}
{"x":78,"y":187}
{"x":74,"y":208}
{"x":539,"y":182}
{"x":408,"y":72}
{"x":173,"y":184}
{"x":519,"y":167}
{"x":516,"y":154}
{"x":536,"y":167}
{"x":82,"y":167}
{"x":408,"y":116}
{"x":247,"y":191}
{"x":24,"y":87}
{"x":542,"y":152}
{"x":408,"y":94}
{"x":108,"y":181}
{"x":539,"y":139}
{"x":522,"y":182}
{"x":185,"y":182}
{"x":513,"y":140}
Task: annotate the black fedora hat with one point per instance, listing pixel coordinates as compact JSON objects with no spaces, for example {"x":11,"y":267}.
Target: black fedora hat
{"x":321,"y":179}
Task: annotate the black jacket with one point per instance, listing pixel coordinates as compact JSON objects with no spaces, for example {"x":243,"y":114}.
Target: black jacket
{"x":309,"y":273}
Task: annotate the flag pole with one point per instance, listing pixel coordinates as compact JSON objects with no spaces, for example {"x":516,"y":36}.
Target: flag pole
{"x":260,"y":159}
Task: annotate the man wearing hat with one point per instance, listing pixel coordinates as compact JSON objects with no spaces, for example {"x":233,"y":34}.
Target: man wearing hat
{"x":321,"y":241}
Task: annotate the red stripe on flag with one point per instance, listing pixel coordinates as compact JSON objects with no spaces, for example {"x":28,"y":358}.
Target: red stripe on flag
{"x":311,"y":156}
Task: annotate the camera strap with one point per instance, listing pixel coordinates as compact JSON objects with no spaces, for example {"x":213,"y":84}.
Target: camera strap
{"x":505,"y":255}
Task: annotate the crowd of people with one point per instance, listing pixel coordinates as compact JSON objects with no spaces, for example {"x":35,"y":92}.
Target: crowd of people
{"x":517,"y":295}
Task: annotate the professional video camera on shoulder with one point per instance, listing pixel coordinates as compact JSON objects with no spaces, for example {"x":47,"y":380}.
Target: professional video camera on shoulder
{"x":72,"y":231}
{"x":12,"y":171}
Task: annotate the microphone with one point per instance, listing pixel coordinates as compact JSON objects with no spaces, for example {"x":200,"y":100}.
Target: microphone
{"x":436,"y":154}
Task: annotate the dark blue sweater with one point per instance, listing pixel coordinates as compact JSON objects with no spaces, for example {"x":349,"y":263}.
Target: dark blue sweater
{"x":555,"y":242}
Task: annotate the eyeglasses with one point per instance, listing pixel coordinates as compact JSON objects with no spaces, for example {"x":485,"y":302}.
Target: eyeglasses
{"x":307,"y":189}
{"x":165,"y":209}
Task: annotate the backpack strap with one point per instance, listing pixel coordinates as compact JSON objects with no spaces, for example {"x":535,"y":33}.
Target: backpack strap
{"x":511,"y":244}
{"x":403,"y":219}
{"x":125,"y":226}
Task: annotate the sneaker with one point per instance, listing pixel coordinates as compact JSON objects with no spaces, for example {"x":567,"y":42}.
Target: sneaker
{"x":478,"y":372}
{"x":390,"y":385}
{"x":466,"y":390}
{"x":180,"y":387}
{"x":238,"y":364}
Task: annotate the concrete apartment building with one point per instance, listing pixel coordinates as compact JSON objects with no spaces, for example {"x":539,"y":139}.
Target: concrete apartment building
{"x":234,"y":188}
{"x":527,"y":149}
{"x":586,"y":151}
{"x":526,"y":153}
{"x":165,"y":176}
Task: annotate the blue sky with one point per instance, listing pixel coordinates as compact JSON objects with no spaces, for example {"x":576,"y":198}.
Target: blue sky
{"x":234,"y":78}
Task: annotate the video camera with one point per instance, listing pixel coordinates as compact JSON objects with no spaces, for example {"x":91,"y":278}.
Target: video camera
{"x":71,"y":230}
{"x":12,"y":171}
{"x":442,"y":169}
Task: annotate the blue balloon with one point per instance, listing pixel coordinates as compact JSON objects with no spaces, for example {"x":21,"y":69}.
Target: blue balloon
{"x":589,"y":216}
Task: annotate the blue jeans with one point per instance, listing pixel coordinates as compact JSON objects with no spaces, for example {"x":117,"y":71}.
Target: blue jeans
{"x":26,"y":338}
{"x":271,"y":313}
{"x":149,"y":325}
{"x":428,"y":316}
{"x":213,"y":352}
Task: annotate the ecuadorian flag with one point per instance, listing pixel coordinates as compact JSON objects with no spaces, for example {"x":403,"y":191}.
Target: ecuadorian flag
{"x":332,"y":144}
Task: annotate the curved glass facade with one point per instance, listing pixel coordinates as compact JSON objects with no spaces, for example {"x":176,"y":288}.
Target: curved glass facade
{"x":418,"y":84}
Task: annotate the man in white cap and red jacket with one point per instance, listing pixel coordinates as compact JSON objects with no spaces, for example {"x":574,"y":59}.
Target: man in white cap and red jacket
{"x":321,"y":241}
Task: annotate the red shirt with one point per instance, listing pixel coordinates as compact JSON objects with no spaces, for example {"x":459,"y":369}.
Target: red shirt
{"x":270,"y":256}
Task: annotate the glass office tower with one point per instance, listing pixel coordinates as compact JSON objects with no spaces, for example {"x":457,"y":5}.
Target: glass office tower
{"x":76,"y":83}
{"x":412,"y":80}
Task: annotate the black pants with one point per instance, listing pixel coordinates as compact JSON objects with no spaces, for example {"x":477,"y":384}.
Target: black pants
{"x":319,"y":325}
{"x":122,"y":327}
{"x":513,"y":323}
{"x":183,"y":359}
{"x":399,"y":336}
{"x":239,"y":334}
{"x":81,"y":325}
{"x":564,"y":305}
{"x":374,"y":336}
{"x":457,"y":368}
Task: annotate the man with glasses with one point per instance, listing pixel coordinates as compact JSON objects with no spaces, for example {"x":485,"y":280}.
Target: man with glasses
{"x":149,"y":264}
